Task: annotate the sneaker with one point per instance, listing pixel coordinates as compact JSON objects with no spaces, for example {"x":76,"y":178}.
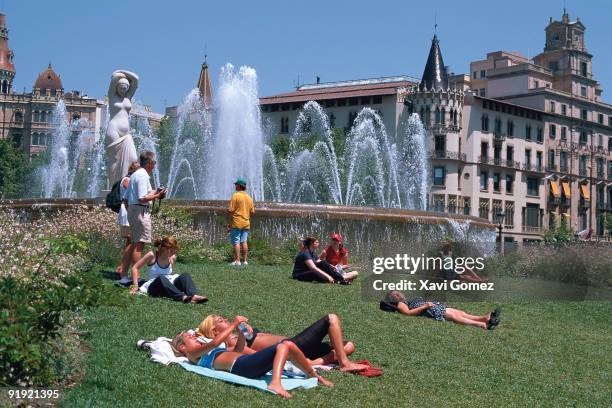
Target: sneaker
{"x":143,"y":344}
{"x":235,"y":263}
{"x":125,"y":281}
{"x":245,"y":263}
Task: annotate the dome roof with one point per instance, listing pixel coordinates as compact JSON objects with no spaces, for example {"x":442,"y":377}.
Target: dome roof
{"x":48,"y":79}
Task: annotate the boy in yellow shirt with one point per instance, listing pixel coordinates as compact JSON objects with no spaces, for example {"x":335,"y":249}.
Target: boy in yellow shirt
{"x":240,"y":210}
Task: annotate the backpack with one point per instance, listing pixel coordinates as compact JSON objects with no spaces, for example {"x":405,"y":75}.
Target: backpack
{"x":113,"y":198}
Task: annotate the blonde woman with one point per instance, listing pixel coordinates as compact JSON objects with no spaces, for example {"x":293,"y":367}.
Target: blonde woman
{"x":215,"y":355}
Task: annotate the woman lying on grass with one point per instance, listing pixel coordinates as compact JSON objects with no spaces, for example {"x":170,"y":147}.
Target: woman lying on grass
{"x":395,"y":301}
{"x":161,"y":282}
{"x":309,"y":341}
{"x":308,"y":268}
{"x":215,"y":355}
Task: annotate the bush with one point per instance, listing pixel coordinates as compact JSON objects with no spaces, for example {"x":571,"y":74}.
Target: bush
{"x":32,"y":350}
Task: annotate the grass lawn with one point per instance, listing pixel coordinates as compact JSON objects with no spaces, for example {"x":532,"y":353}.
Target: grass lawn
{"x":544,"y":354}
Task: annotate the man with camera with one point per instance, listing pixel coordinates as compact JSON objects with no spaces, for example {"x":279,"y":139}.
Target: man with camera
{"x":139,"y":195}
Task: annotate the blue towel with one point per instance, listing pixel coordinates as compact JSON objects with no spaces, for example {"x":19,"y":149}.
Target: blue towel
{"x":261,"y":383}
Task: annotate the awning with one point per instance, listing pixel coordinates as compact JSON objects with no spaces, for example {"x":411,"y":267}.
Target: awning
{"x":566,"y":189}
{"x":585,"y":191}
{"x":555,"y":189}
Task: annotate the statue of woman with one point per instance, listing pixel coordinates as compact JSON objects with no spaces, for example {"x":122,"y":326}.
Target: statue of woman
{"x":120,"y":149}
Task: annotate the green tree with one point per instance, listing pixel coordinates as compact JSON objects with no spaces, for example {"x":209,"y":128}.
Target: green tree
{"x":14,"y":170}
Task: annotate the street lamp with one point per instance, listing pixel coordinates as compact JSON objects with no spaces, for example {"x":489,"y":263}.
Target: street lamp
{"x":500,"y":227}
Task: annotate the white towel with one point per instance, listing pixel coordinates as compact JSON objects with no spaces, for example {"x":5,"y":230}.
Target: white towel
{"x":161,"y":352}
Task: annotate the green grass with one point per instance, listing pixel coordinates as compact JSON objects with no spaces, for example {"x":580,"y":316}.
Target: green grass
{"x":544,"y":354}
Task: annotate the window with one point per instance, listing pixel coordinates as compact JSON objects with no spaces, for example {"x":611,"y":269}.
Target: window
{"x":600,"y":140}
{"x":353,"y":101}
{"x":582,"y":165}
{"x":610,"y":120}
{"x":584,"y":138}
{"x":330,"y":102}
{"x":452,"y":204}
{"x":533,"y":186}
{"x":553,"y":65}
{"x":365,"y":100}
{"x":563,"y":109}
{"x":509,"y":153}
{"x":351,"y":118}
{"x":438,"y":176}
{"x":484,"y":150}
{"x":551,"y":159}
{"x":509,"y":213}
{"x":466,"y":205}
{"x":475,"y":74}
{"x":485,"y":123}
{"x":600,"y":168}
{"x":43,"y":116}
{"x":552,"y":106}
{"x":376,"y":100}
{"x":563,"y":133}
{"x":298,"y":106}
{"x":440,"y":143}
{"x":609,"y":142}
{"x":539,"y":161}
{"x":528,"y":132}
{"x":509,"y":183}
{"x":342,"y":102}
{"x":600,"y":118}
{"x":496,"y":182}
{"x":19,"y":116}
{"x":483,"y":92}
{"x":498,"y":125}
{"x":438,"y":202}
{"x":484,"y":180}
{"x":528,"y":157}
{"x":284,"y":127}
{"x":583,"y":91}
{"x":497,"y":211}
{"x":510,"y":128}
{"x":483,"y":211}
{"x":583,"y":114}
{"x":539,"y":135}
{"x":552,"y":130}
{"x":286,"y":106}
{"x":536,"y":84}
{"x":563,"y":162}
{"x":440,"y":116}
{"x":497,"y":153}
{"x":483,"y":73}
{"x":274,"y":107}
{"x":583,"y":68}
{"x":5,"y":86}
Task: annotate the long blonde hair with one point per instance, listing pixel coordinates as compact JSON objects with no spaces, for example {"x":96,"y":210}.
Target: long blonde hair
{"x":207,"y":327}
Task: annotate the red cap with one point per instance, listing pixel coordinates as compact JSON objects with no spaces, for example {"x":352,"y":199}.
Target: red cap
{"x":336,"y":237}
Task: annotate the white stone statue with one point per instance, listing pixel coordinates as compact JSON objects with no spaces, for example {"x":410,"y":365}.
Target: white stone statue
{"x":120,"y":149}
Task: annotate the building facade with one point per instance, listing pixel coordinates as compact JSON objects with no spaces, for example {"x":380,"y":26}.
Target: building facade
{"x":525,"y":144}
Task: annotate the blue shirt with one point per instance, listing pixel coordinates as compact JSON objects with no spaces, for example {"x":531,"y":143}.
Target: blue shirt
{"x":208,"y":359}
{"x":300,"y":262}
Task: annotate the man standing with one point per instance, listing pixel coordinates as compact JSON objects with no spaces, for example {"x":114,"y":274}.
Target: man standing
{"x":240,"y":210}
{"x":139,"y":194}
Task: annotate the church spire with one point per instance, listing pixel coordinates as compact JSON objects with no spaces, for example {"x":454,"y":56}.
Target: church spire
{"x":7,"y":69}
{"x":434,"y":75}
{"x":204,"y":84}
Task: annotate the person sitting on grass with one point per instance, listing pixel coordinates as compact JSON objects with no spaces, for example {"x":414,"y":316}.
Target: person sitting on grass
{"x":215,"y":355}
{"x":161,"y":282}
{"x":308,"y":268}
{"x":309,"y":341}
{"x":337,"y":256}
{"x":395,"y":301}
{"x":467,"y":275}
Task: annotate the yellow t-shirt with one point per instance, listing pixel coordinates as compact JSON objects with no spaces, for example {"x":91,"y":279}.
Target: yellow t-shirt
{"x":241,"y":208}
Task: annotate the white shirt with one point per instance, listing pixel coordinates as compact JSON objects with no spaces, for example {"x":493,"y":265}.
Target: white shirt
{"x":140,"y":186}
{"x":122,"y":218}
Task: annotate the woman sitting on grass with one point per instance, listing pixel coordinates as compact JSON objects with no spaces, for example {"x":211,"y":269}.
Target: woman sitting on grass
{"x":215,"y":355}
{"x":308,"y":268}
{"x":309,"y":341}
{"x":395,"y":301}
{"x":161,"y":282}
{"x":337,"y":256}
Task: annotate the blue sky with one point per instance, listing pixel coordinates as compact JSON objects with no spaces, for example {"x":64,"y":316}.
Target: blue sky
{"x":164,"y":42}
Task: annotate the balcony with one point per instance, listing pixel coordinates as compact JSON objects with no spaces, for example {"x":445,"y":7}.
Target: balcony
{"x":601,"y":174}
{"x":447,"y":155}
{"x":499,"y":136}
{"x":551,"y":167}
{"x":535,"y":168}
{"x":499,"y":162}
{"x":532,"y":230}
{"x":554,"y":201}
{"x":563,"y":168}
{"x":582,"y":172}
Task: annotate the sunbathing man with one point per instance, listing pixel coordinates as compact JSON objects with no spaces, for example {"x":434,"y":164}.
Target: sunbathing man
{"x":309,"y":341}
{"x":215,"y":355}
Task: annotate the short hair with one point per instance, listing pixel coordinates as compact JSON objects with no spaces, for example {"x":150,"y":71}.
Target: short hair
{"x":176,"y":342}
{"x":146,"y":157}
{"x":394,"y":296}
{"x":308,"y":242}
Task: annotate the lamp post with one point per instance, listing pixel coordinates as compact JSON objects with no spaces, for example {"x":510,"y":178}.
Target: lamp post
{"x":500,"y":227}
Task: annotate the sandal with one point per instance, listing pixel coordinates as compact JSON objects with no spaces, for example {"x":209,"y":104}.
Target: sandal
{"x":492,"y":323}
{"x":187,"y":299}
{"x":200,"y":299}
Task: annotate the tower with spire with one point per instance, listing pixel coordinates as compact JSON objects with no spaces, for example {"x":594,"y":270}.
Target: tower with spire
{"x":7,"y":69}
{"x":204,"y":84}
{"x":438,"y":105}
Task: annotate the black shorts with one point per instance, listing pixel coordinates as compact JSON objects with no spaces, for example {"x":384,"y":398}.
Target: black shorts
{"x":310,"y":340}
{"x":255,"y":365}
{"x":249,"y":343}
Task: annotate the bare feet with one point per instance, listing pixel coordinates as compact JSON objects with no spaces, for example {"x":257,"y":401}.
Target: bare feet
{"x":278,"y":389}
{"x":325,"y":382}
{"x":199,"y":299}
{"x":351,"y":367}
